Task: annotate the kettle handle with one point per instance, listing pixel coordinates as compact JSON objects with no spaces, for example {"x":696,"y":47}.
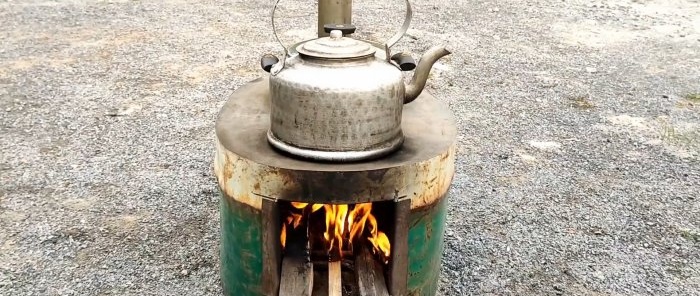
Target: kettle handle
{"x":389,"y":43}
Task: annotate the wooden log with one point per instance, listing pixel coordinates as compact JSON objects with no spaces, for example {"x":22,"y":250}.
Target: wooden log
{"x":323,"y":254}
{"x":297,"y":272}
{"x":370,"y":276}
{"x":335,"y":285}
{"x":297,"y":277}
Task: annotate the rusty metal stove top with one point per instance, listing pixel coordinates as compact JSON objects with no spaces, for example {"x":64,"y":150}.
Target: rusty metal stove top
{"x":428,"y":126}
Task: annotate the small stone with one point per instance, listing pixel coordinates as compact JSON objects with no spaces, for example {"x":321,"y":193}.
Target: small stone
{"x":591,"y":70}
{"x":545,"y":145}
{"x":495,"y":9}
{"x":124,"y":111}
{"x":528,"y":158}
{"x":184,"y":272}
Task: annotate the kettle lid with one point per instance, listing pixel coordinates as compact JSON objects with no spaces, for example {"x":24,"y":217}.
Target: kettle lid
{"x":336,"y":46}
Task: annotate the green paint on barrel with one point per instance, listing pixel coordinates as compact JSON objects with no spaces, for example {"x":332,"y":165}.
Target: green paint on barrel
{"x":241,"y":248}
{"x":425,"y":246}
{"x":241,"y":251}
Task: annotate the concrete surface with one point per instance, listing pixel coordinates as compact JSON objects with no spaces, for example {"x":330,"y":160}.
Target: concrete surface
{"x":578,"y":171}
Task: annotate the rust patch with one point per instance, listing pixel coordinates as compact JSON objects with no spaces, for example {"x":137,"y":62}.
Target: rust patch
{"x":228,"y":167}
{"x":444,"y":156}
{"x":424,"y":210}
{"x":247,"y":181}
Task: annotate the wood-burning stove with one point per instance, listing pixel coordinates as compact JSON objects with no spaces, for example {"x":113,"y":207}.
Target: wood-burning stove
{"x":264,"y":192}
{"x":292,"y":226}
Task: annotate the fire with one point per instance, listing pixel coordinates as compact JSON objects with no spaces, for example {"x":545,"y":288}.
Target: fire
{"x":294,"y":220}
{"x":345,"y":224}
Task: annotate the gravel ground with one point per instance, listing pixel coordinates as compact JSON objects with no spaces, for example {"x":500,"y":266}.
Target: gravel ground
{"x":579,"y":147}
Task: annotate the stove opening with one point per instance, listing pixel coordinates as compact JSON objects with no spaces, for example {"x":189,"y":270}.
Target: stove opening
{"x":336,"y":249}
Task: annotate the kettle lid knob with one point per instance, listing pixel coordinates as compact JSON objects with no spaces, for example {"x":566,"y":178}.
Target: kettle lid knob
{"x":336,"y":34}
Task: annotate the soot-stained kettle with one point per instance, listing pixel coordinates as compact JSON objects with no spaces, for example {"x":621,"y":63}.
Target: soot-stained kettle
{"x":340,"y":99}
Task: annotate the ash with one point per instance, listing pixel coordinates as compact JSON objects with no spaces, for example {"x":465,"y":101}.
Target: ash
{"x":578,"y":170}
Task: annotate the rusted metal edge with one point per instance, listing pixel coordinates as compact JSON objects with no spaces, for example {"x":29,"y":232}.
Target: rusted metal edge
{"x":249,"y":182}
{"x":271,"y":255}
{"x":398,"y":269}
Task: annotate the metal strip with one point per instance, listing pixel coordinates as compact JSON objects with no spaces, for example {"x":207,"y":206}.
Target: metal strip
{"x":271,"y":255}
{"x":398,"y":269}
{"x":279,"y":66}
{"x":404,"y":27}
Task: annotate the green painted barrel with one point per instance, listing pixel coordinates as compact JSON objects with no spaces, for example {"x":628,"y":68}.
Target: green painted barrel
{"x":241,"y":248}
{"x":425,"y":246}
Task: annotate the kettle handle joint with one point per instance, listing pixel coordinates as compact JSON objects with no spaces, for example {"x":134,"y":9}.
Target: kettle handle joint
{"x":404,"y":60}
{"x":267,"y":61}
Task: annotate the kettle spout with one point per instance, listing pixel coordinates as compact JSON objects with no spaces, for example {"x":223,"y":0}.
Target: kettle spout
{"x":420,"y":76}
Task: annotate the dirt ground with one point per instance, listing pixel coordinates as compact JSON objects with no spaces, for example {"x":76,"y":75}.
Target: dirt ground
{"x":579,"y":140}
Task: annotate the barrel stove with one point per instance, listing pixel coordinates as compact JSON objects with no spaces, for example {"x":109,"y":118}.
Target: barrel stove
{"x":296,"y":226}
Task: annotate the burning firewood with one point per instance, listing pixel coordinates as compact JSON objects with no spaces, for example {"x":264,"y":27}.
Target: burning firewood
{"x":335,"y":287}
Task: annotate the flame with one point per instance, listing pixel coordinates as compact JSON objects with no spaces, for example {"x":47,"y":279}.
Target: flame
{"x":299,"y":205}
{"x":283,"y":235}
{"x":294,"y":220}
{"x":362,"y":211}
{"x":343,"y":224}
{"x":381,"y":243}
